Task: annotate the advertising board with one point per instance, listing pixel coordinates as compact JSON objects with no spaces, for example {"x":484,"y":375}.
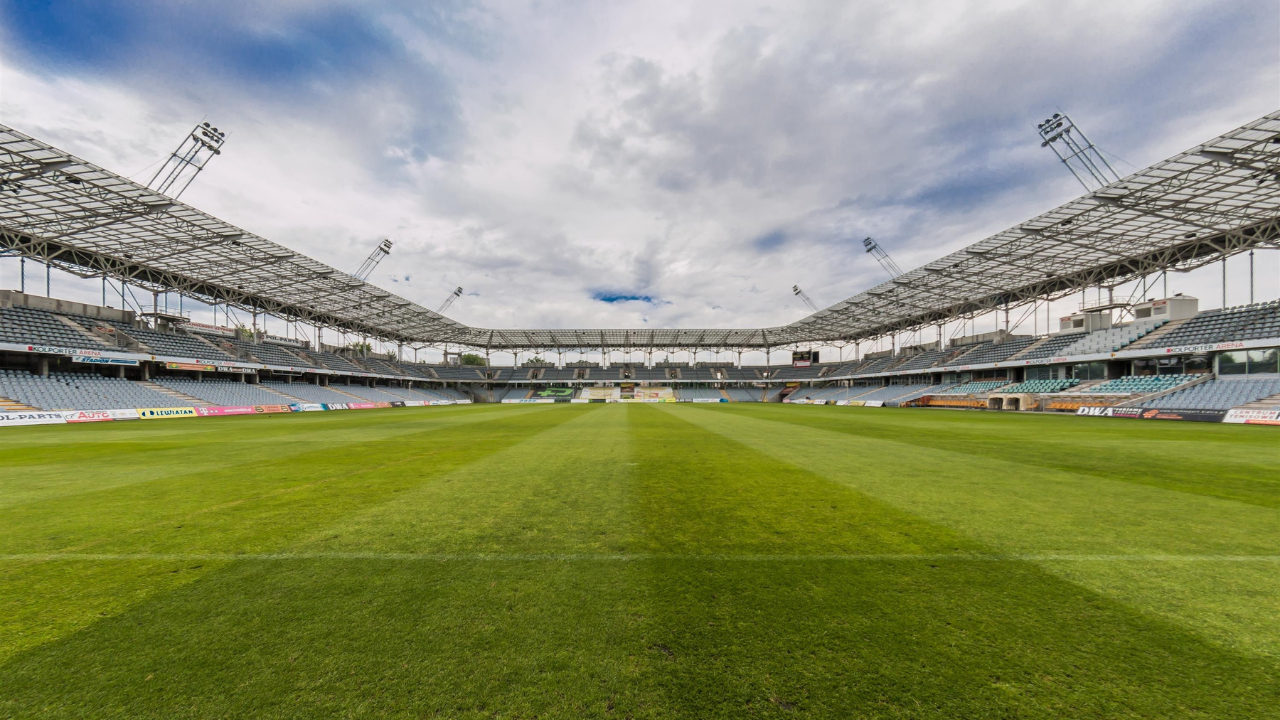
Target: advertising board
{"x":161,"y":413}
{"x":1137,"y":413}
{"x":80,"y":416}
{"x":104,"y":361}
{"x":34,"y":417}
{"x":1253,"y":417}
{"x":190,"y":366}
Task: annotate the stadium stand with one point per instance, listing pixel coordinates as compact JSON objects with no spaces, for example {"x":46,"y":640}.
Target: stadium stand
{"x":977,"y":386}
{"x":1112,"y":339}
{"x":381,"y":367}
{"x":79,"y":391}
{"x":921,"y":392}
{"x":814,"y":393}
{"x":365,"y":392}
{"x":268,"y":353}
{"x":1266,"y":326}
{"x":922,"y":360}
{"x":1041,"y":386}
{"x":1219,"y":394}
{"x":457,"y":372}
{"x":743,"y":394}
{"x":893,"y":392}
{"x":785,"y":372}
{"x":307,"y":392}
{"x":25,"y":325}
{"x":222,"y":392}
{"x":698,"y":374}
{"x":177,"y":344}
{"x":570,"y":373}
{"x":880,"y":364}
{"x":329,"y":360}
{"x":1049,"y":347}
{"x":991,"y":352}
{"x":447,"y":393}
{"x":1212,"y":326}
{"x":1141,"y":384}
{"x":695,"y":393}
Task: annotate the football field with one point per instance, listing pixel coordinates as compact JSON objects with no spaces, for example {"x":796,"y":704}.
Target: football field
{"x":640,"y":561}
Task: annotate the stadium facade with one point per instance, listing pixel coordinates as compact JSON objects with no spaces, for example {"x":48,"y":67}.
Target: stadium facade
{"x":1198,"y":207}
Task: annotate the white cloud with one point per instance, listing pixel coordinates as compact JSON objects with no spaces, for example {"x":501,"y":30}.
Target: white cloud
{"x":709,"y":155}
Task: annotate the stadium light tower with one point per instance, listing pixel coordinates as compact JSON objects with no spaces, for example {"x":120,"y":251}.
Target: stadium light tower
{"x":371,"y":262}
{"x":1081,"y":156}
{"x":882,"y":257}
{"x":193,"y":154}
{"x":795,"y":289}
{"x":457,"y":293}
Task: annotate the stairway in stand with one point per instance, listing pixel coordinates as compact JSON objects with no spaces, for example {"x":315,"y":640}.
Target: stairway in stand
{"x":7,"y":405}
{"x":356,"y":398}
{"x":283,"y":395}
{"x":181,"y":396}
{"x":1271,"y":402}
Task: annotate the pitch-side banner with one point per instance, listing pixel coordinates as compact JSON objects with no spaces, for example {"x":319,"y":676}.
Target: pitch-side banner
{"x":105,"y":361}
{"x":306,"y":407}
{"x":241,"y":410}
{"x":160,"y":413}
{"x":34,"y":417}
{"x":1253,"y":417}
{"x":80,"y":416}
{"x":873,"y":403}
{"x":1138,"y":413}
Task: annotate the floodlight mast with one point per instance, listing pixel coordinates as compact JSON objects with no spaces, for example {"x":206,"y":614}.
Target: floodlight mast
{"x":457,"y":293}
{"x":1081,"y":156}
{"x":882,"y":257}
{"x":193,"y":154}
{"x":795,"y":289}
{"x":371,"y":262}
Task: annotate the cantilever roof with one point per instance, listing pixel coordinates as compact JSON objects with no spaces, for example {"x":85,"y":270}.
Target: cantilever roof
{"x":1220,"y":197}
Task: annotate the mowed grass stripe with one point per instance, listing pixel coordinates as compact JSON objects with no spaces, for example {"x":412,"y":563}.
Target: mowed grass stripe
{"x":534,"y":614}
{"x":454,"y":638}
{"x":894,"y":636}
{"x":46,"y":462}
{"x":702,"y":492}
{"x":633,"y":557}
{"x":1232,"y":462}
{"x":563,"y":490}
{"x":1022,"y":509}
{"x":262,"y":507}
{"x":259,"y":495}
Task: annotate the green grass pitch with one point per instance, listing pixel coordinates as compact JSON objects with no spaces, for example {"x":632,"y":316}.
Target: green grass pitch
{"x":640,"y":561}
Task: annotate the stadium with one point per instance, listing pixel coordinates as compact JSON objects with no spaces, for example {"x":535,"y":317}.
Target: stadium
{"x":230,"y":488}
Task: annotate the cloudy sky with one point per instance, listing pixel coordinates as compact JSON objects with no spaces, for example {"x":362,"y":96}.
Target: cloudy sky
{"x":631,"y":164}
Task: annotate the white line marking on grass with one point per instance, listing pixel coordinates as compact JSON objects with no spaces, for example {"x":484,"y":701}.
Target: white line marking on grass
{"x":627,"y":557}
